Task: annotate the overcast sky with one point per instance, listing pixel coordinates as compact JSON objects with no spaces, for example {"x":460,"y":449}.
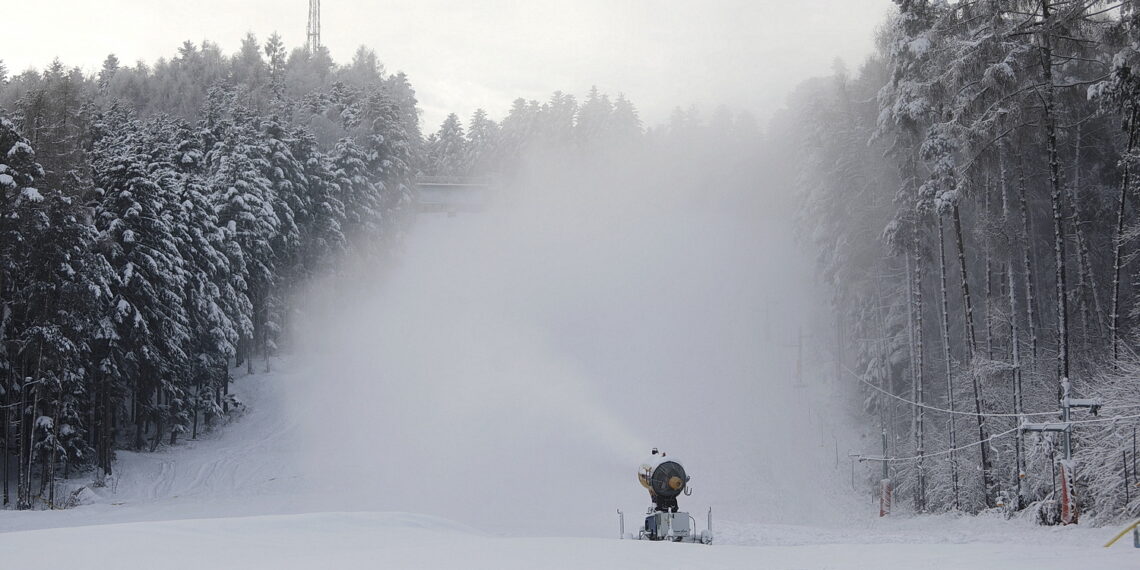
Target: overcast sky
{"x":461,"y":54}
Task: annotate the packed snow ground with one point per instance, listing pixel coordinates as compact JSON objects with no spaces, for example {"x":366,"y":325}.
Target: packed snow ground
{"x":392,"y":540}
{"x":234,"y":500}
{"x":249,"y":495}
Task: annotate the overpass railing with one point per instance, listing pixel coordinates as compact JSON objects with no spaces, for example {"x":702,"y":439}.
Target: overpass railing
{"x":455,"y":180}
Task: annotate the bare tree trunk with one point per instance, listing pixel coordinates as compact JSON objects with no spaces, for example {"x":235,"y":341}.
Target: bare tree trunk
{"x":194,"y":408}
{"x":51,"y":459}
{"x":1027,"y":262}
{"x":988,"y":485}
{"x":949,"y":369}
{"x":171,"y":420}
{"x":249,"y":353}
{"x":239,"y":352}
{"x":6,"y":417}
{"x":959,"y":243}
{"x":265,"y":336}
{"x":22,"y":441}
{"x":1086,"y":278}
{"x":914,"y":310}
{"x":971,"y":349}
{"x":139,"y":423}
{"x":1118,"y":243}
{"x":23,"y":488}
{"x":159,"y":421}
{"x":107,"y":431}
{"x":989,"y":293}
{"x":99,"y":426}
{"x":1017,"y":409}
{"x":28,"y":501}
{"x":1014,"y":341}
{"x":6,"y":432}
{"x":1055,"y":197}
{"x":226,"y":393}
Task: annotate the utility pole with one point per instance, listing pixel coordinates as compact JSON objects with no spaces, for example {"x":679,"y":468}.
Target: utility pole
{"x":314,"y":32}
{"x":1069,"y":514}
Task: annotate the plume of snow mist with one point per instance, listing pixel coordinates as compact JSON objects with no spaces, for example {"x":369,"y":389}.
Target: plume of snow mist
{"x":516,"y":364}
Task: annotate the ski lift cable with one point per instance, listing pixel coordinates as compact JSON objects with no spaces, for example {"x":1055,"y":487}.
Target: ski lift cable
{"x":944,"y":410}
{"x":939,"y":453}
{"x":1120,"y":407}
{"x":983,"y":414}
{"x":987,"y":440}
{"x":1104,"y":419}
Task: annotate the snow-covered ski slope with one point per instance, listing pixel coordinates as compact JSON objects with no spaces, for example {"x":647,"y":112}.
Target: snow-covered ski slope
{"x":233,"y":500}
{"x":502,"y":385}
{"x":387,"y":540}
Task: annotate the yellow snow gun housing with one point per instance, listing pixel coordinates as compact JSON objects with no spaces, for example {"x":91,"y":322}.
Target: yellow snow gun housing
{"x":665,"y":479}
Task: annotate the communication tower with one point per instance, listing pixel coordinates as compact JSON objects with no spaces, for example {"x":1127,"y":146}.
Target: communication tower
{"x":314,"y":40}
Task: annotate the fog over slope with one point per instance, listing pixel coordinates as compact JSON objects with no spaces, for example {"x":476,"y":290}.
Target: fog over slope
{"x":515,"y":366}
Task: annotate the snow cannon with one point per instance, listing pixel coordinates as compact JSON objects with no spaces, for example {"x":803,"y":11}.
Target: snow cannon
{"x":665,"y":479}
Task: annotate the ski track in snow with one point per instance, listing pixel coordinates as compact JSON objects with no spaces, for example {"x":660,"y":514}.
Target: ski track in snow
{"x":242,"y":468}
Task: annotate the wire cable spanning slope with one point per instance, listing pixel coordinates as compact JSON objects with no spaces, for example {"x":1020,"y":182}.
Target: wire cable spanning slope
{"x":971,"y":414}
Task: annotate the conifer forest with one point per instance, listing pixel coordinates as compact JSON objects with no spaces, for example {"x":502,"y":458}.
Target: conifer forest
{"x":971,"y":190}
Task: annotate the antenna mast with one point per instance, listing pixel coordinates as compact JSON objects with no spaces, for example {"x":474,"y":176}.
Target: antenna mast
{"x":314,"y":41}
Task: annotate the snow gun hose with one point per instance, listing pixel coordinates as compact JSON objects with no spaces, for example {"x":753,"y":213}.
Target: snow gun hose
{"x":1134,"y":527}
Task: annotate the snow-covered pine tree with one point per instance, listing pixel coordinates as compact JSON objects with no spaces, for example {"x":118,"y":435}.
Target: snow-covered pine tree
{"x":390,"y":159}
{"x":482,"y":142}
{"x":208,"y":296}
{"x":19,"y":173}
{"x":244,"y":201}
{"x":449,"y":149}
{"x":53,"y":115}
{"x":403,"y":95}
{"x":249,"y":72}
{"x":66,"y":292}
{"x":135,"y":216}
{"x":289,"y":199}
{"x":593,"y":123}
{"x":625,"y":123}
{"x":361,"y":197}
{"x":322,"y":225}
{"x":275,"y":61}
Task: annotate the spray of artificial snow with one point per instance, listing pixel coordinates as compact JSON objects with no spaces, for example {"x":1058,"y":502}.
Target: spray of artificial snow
{"x":514,"y":367}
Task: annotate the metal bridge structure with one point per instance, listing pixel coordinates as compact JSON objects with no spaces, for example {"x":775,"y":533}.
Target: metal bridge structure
{"x":452,"y":194}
